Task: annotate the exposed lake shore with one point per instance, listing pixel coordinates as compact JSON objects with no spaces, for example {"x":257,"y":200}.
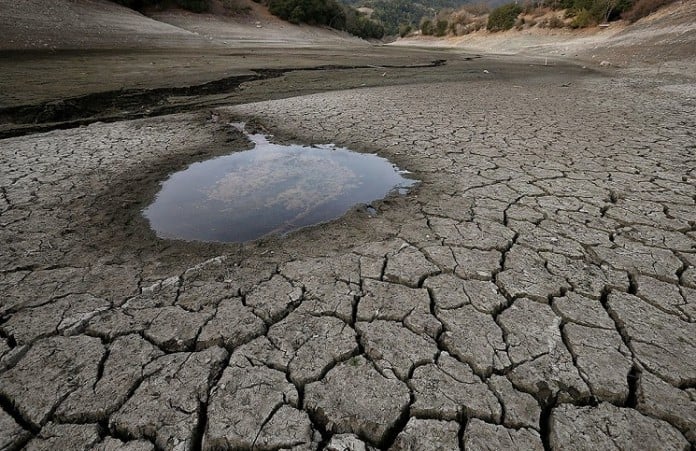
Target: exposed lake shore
{"x":536,"y":290}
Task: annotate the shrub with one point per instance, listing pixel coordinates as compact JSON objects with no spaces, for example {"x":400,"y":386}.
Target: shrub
{"x":197,"y":6}
{"x":441,"y":28}
{"x":359,"y":25}
{"x":298,"y":15}
{"x":583,"y":19}
{"x":503,"y":17}
{"x":552,"y":22}
{"x":459,"y":21}
{"x":313,"y":12}
{"x":620,"y":8}
{"x":233,"y":7}
{"x":593,"y":11}
{"x":476,"y":24}
{"x":427,"y":28}
{"x":405,"y":29}
{"x":642,"y":8}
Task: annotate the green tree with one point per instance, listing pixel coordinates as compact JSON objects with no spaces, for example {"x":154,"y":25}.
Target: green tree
{"x":441,"y":27}
{"x":503,"y":17}
{"x":427,"y":28}
{"x":297,"y":15}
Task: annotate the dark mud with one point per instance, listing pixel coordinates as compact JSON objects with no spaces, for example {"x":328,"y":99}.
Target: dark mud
{"x":123,"y":104}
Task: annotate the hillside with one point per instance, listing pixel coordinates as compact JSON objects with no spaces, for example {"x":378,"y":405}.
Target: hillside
{"x":101,"y":24}
{"x":394,"y":13}
{"x":63,"y":24}
{"x":666,"y":38}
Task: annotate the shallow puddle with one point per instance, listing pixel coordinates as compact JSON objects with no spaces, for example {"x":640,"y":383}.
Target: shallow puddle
{"x":271,"y":189}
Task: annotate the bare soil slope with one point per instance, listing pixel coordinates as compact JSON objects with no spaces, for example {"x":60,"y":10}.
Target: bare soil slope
{"x":57,"y":50}
{"x":85,"y":24}
{"x":101,"y":24}
{"x":252,"y":25}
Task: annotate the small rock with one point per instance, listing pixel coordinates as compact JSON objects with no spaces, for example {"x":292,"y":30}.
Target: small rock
{"x":583,"y":311}
{"x":287,"y":428}
{"x":175,"y":329}
{"x":525,"y":274}
{"x":65,"y":316}
{"x":476,"y":263}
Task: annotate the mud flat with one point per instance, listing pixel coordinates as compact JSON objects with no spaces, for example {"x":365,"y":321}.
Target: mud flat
{"x":537,"y":290}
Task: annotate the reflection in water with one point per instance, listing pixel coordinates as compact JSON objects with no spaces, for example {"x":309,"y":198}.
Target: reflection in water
{"x":271,"y":189}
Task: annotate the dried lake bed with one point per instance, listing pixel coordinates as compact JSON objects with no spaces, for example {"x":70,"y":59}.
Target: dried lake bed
{"x":536,"y":290}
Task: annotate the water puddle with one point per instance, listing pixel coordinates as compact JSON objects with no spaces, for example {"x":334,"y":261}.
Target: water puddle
{"x":271,"y":189}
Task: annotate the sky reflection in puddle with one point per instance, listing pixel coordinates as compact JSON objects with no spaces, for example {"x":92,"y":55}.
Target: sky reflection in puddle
{"x":271,"y":189}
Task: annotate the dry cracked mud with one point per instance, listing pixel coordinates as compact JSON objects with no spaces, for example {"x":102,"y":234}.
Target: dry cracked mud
{"x":537,"y":290}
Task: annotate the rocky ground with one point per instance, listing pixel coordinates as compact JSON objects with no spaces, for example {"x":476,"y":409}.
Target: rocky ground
{"x":536,"y":291}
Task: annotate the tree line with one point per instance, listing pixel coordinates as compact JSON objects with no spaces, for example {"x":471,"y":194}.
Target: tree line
{"x":436,"y":17}
{"x":197,"y":6}
{"x":328,"y":13}
{"x":530,"y":13}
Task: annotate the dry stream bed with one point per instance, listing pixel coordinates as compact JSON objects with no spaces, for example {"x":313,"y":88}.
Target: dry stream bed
{"x":536,"y":290}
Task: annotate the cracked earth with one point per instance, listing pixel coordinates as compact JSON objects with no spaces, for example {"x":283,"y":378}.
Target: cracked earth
{"x":537,"y":290}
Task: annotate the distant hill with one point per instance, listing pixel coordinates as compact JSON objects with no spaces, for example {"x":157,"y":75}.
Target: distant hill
{"x":394,"y":13}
